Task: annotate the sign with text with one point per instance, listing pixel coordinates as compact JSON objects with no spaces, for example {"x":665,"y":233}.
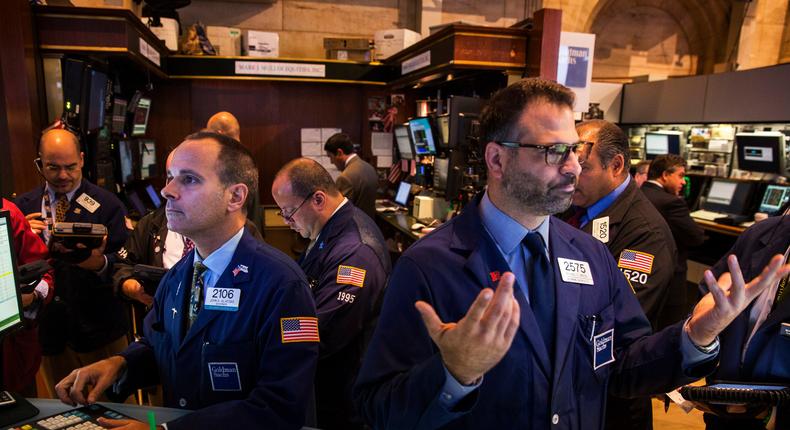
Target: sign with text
{"x":416,"y":63}
{"x":150,"y":52}
{"x":574,"y":66}
{"x":280,"y":69}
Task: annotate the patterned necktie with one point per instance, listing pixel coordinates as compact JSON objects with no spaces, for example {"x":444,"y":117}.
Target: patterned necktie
{"x":781,"y":291}
{"x":61,"y":207}
{"x":541,"y":288}
{"x":196,"y":294}
{"x":188,"y":247}
{"x":576,"y":219}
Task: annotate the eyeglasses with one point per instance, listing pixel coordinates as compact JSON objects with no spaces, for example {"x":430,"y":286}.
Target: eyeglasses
{"x":555,"y":154}
{"x":290,"y":216}
{"x":52,"y":168}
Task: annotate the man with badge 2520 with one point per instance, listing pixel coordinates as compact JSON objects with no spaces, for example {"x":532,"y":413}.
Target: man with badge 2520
{"x":347,"y":264}
{"x":610,"y":206}
{"x":232,"y":334}
{"x":85,"y":321}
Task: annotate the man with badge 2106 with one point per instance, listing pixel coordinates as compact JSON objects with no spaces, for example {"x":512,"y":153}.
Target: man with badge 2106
{"x":347,"y":264}
{"x":609,"y":205}
{"x":524,"y":356}
{"x":232,"y":334}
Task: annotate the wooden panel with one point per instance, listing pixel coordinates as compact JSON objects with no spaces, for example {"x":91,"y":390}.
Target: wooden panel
{"x":503,"y":49}
{"x":78,"y":31}
{"x":271,"y":115}
{"x":544,"y":44}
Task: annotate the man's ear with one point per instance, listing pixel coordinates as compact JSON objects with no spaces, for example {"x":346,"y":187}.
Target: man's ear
{"x":494,"y":156}
{"x":319,"y":199}
{"x":618,"y":164}
{"x":239,"y":193}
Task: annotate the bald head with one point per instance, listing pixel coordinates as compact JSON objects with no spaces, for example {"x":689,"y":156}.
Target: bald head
{"x":224,"y":123}
{"x":61,"y":160}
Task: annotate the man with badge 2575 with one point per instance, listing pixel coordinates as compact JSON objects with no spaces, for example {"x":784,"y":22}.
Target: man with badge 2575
{"x":232,"y":334}
{"x":347,"y":264}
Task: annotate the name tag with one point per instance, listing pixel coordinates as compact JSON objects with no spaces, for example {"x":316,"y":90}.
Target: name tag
{"x":785,"y":329}
{"x":600,"y":229}
{"x":224,"y":376}
{"x":575,"y":271}
{"x":603,"y":349}
{"x":222,"y":299}
{"x":88,"y":203}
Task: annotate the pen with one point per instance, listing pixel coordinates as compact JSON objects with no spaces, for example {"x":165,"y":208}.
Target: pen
{"x":592,"y":332}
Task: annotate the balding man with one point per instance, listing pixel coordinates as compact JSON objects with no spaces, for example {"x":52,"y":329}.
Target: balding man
{"x":610,"y":206}
{"x":85,"y":322}
{"x":224,"y":123}
{"x":347,"y":265}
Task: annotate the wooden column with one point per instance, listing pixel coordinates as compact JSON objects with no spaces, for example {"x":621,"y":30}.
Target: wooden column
{"x":21,"y":107}
{"x":543,"y":46}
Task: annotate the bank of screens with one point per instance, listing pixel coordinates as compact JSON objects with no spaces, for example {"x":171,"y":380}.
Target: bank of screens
{"x":140,"y":123}
{"x":10,"y":302}
{"x":661,"y":143}
{"x":402,"y":196}
{"x":403,"y":142}
{"x":774,"y":198}
{"x":729,"y":196}
{"x":761,"y":152}
{"x":422,"y":136}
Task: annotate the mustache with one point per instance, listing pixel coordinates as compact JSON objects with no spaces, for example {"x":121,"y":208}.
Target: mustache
{"x":567,"y":180}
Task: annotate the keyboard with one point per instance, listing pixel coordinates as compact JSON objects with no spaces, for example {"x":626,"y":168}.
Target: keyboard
{"x":707,"y":215}
{"x":84,"y":418}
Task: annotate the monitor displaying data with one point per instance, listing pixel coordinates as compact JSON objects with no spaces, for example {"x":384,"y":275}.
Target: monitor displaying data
{"x":444,"y":129}
{"x":422,"y":136}
{"x":774,"y":198}
{"x":140,"y":124}
{"x":731,"y":196}
{"x":402,"y":196}
{"x":441,"y":167}
{"x":10,"y":302}
{"x":403,"y":142}
{"x":721,"y":192}
{"x":661,"y":143}
{"x":761,"y":152}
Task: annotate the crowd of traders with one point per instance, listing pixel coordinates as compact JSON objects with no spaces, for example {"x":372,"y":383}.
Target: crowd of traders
{"x":505,"y":316}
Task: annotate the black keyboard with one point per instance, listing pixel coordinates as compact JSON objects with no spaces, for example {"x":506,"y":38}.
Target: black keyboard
{"x":81,"y":418}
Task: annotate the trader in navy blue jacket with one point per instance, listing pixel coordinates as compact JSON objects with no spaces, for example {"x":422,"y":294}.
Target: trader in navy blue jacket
{"x":86,"y":321}
{"x":347,"y":264}
{"x":233,"y":333}
{"x":756,"y":346}
{"x":543,"y":348}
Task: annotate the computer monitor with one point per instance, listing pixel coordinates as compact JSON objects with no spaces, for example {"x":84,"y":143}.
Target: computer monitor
{"x":660,"y":143}
{"x":761,"y":152}
{"x":402,"y":196}
{"x":10,"y":298}
{"x":141,"y":111}
{"x":774,"y":197}
{"x":443,"y":122}
{"x":153,"y":195}
{"x":96,"y":98}
{"x":440,"y":168}
{"x":136,"y":202}
{"x":404,"y":143}
{"x":126,"y":161}
{"x":422,"y":136}
{"x":729,"y":196}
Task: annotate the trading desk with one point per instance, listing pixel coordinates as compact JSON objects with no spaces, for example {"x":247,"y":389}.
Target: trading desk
{"x":712,"y":226}
{"x":401,"y":222}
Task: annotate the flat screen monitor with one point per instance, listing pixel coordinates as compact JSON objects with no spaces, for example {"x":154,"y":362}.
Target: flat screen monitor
{"x":444,"y":130}
{"x":661,"y":143}
{"x":440,"y":168}
{"x":774,"y":198}
{"x":761,"y":152}
{"x":96,"y":99}
{"x":140,"y":123}
{"x":126,"y":161}
{"x":729,"y":196}
{"x":402,"y":196}
{"x":10,"y":300}
{"x":118,"y":115}
{"x":422,"y":136}
{"x":153,"y":195}
{"x":404,"y":144}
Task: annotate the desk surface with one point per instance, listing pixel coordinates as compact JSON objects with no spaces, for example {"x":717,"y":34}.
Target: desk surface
{"x":49,"y":407}
{"x":731,"y":230}
{"x":402,"y":222}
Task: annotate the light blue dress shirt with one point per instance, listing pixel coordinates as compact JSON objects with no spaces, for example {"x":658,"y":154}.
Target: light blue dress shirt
{"x":218,"y":261}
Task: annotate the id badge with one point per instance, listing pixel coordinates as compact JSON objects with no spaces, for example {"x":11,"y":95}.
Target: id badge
{"x":222,"y":299}
{"x":603,"y":349}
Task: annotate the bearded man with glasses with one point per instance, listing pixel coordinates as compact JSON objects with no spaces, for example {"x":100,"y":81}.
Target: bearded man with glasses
{"x":506,"y":317}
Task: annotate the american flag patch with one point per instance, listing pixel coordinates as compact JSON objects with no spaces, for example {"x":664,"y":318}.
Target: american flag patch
{"x":351,"y":275}
{"x":299,"y":329}
{"x":635,"y":260}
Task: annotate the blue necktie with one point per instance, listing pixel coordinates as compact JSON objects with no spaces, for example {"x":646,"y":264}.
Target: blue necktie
{"x":541,"y":289}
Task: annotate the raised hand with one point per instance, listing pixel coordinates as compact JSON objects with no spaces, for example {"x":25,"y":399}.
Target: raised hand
{"x":477,"y":342}
{"x":728,"y":297}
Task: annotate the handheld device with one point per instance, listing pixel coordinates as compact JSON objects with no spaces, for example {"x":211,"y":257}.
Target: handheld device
{"x":148,"y":276}
{"x":69,"y":234}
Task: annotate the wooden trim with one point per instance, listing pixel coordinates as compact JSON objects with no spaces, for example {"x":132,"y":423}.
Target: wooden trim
{"x":62,"y":48}
{"x":267,"y":78}
{"x":274,"y":59}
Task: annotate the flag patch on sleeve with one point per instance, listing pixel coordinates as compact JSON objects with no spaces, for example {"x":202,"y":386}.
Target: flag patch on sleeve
{"x":299,"y":329}
{"x":351,"y":275}
{"x":635,"y":260}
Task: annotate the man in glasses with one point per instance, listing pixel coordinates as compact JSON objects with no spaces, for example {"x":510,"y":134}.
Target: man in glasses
{"x":609,"y":205}
{"x":505,"y":317}
{"x":347,"y":264}
{"x":85,"y":321}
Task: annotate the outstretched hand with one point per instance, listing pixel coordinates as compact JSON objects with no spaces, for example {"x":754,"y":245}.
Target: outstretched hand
{"x":477,"y":342}
{"x":728,"y":297}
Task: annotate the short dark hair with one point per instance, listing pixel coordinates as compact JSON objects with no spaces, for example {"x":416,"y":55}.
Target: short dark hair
{"x":500,"y":114}
{"x":235,"y":164}
{"x":307,"y":176}
{"x":610,"y":141}
{"x":665,"y":163}
{"x":642,"y":165}
{"x":339,"y":141}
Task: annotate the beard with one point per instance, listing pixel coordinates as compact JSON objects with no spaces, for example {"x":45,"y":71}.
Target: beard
{"x":536,"y":196}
